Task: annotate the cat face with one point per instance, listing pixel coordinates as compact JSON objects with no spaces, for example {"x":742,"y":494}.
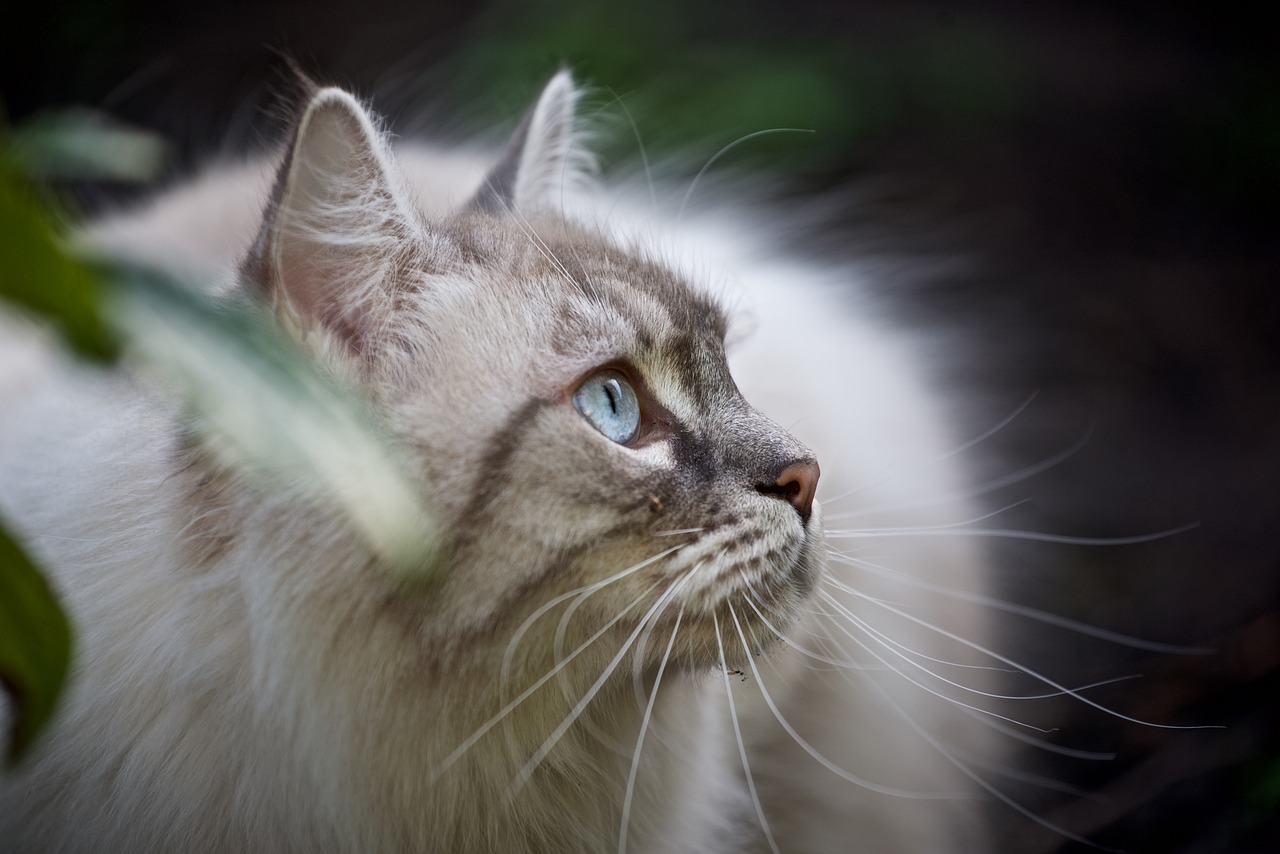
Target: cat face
{"x":565,"y":401}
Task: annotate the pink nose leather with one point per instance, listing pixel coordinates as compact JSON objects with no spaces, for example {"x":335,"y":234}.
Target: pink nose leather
{"x":797,"y":483}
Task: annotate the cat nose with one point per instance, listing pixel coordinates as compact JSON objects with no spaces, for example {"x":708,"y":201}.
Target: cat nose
{"x":796,"y":483}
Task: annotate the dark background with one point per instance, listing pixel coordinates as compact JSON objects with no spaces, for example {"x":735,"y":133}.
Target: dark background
{"x":1093,"y":189}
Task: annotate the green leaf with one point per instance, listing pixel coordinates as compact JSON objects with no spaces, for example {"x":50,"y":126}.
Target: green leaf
{"x":35,"y":645}
{"x":39,"y":276}
{"x":76,"y":143}
{"x":263,"y":408}
{"x":259,"y":404}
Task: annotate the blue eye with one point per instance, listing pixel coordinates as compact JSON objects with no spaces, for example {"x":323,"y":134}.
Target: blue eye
{"x":609,"y":402}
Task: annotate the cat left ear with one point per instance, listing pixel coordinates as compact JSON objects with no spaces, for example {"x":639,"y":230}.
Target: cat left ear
{"x":338,"y":230}
{"x":539,"y":160}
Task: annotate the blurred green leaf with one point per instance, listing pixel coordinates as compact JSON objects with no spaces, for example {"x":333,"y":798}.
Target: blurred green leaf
{"x":35,"y":645}
{"x":257,"y":402}
{"x":38,"y":275}
{"x":261,"y":407}
{"x":83,"y":144}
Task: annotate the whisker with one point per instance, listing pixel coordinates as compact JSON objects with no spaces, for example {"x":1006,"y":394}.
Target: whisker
{"x":1004,"y":533}
{"x":813,"y":752}
{"x":693,"y":185}
{"x":560,"y":665}
{"x":587,"y":589}
{"x":737,"y":732}
{"x":949,"y":526}
{"x":637,"y":675}
{"x":1025,"y":473}
{"x":834,"y":582}
{"x":787,"y":640}
{"x":558,"y":652}
{"x":1021,"y":667}
{"x":534,"y":761}
{"x":679,"y":531}
{"x":890,"y":645}
{"x":1040,"y":743}
{"x":953,"y":452}
{"x":644,"y":728}
{"x":1046,"y":617}
{"x":644,"y":156}
{"x":1038,"y":780}
{"x":964,"y":769}
{"x":526,"y":693}
{"x":922,"y":686}
{"x":523,"y":222}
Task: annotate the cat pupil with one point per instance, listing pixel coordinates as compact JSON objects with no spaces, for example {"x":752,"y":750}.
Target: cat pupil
{"x":607,"y":400}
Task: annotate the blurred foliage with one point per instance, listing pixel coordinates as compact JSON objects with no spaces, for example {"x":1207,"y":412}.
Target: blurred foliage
{"x":79,"y":143}
{"x":259,"y":405}
{"x":35,"y":645}
{"x":38,"y":276}
{"x":688,"y":73}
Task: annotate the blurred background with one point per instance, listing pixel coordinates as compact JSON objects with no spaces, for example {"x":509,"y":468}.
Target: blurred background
{"x":1080,"y":198}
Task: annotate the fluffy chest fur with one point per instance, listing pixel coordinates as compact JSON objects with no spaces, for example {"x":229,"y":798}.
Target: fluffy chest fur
{"x":640,"y":639}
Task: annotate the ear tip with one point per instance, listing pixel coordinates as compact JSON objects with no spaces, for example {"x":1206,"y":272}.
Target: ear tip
{"x":331,"y":107}
{"x":562,"y":77}
{"x":561,"y":87}
{"x":329,"y":97}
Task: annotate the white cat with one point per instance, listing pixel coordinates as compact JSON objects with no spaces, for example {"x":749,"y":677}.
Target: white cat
{"x":641,"y":639}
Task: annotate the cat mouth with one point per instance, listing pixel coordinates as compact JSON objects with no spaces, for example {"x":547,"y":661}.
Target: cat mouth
{"x":745,"y":599}
{"x":750,"y":560}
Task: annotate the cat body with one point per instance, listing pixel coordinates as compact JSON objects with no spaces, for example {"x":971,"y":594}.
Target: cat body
{"x":637,"y":639}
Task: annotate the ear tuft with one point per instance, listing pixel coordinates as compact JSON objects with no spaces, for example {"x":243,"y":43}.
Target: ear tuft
{"x":339,"y":226}
{"x":543,"y":157}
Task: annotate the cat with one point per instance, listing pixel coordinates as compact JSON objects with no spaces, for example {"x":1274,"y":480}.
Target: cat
{"x":681,"y":606}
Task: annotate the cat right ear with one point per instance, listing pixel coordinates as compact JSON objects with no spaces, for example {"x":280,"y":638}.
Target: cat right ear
{"x":543,"y":157}
{"x":339,"y":229}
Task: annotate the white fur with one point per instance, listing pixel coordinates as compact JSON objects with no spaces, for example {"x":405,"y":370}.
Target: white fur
{"x":200,"y":718}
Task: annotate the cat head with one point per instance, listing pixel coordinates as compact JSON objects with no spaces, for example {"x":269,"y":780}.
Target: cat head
{"x":564,"y":399}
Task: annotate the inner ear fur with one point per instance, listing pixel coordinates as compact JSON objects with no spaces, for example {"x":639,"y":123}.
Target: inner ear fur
{"x":339,"y":230}
{"x":543,"y":156}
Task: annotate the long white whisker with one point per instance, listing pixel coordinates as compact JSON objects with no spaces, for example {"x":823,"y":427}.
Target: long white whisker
{"x":903,"y":652}
{"x":560,"y":665}
{"x":588,"y":589}
{"x":1020,"y":667}
{"x":970,"y":773}
{"x":1004,"y":533}
{"x":922,"y":686}
{"x":915,"y":653}
{"x":644,"y":157}
{"x":953,"y":452}
{"x":693,"y":185}
{"x":644,"y":728}
{"x":542,"y":246}
{"x":642,"y":645}
{"x":1045,"y":617}
{"x":1037,"y":780}
{"x":1039,"y":743}
{"x":819,"y":757}
{"x":737,"y":732}
{"x":949,"y":526}
{"x":808,"y":653}
{"x":536,"y":759}
{"x":1025,"y":473}
{"x":558,"y":648}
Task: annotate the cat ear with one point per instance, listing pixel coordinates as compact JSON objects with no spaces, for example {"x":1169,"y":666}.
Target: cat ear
{"x":339,"y":228}
{"x":542,"y":157}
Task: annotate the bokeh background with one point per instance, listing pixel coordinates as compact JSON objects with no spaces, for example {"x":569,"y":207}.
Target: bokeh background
{"x":1081,"y":199}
